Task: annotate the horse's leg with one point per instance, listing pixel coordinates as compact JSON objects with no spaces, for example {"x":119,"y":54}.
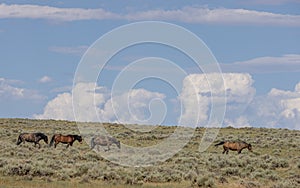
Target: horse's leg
{"x":241,"y":150}
{"x":224,"y":149}
{"x":67,"y":146}
{"x":39,"y":145}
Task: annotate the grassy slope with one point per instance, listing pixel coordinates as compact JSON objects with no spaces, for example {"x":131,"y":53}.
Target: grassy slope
{"x":275,"y":161}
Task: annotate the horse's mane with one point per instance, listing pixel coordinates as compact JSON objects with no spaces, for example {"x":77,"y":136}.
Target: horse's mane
{"x":75,"y":136}
{"x":240,"y":141}
{"x":40,"y":134}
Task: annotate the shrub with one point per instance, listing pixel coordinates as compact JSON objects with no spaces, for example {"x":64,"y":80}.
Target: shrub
{"x":191,"y":176}
{"x":285,"y":184}
{"x":81,"y":170}
{"x":273,"y":177}
{"x":231,"y":171}
{"x":281,"y":163}
{"x":20,"y":170}
{"x":222,"y":179}
{"x":250,"y":184}
{"x":63,"y":176}
{"x":41,"y":171}
{"x":111,"y":176}
{"x":205,"y":181}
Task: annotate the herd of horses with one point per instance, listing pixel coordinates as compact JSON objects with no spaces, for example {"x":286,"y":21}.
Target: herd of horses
{"x":101,"y":140}
{"x":66,"y":139}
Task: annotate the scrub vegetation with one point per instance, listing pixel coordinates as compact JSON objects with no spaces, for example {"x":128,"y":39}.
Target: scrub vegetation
{"x":274,"y":162}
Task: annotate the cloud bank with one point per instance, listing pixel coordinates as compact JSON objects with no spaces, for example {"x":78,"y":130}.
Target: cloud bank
{"x":186,"y":14}
{"x":277,"y":109}
{"x":96,"y":104}
{"x":197,"y":92}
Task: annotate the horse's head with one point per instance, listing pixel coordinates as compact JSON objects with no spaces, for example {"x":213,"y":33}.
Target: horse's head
{"x":79,"y":138}
{"x":249,"y":147}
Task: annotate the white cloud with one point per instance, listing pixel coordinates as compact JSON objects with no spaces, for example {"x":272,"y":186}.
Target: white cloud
{"x":185,"y":14}
{"x":61,"y":107}
{"x":285,"y":63}
{"x":218,"y":16}
{"x":8,"y":90}
{"x":58,"y":108}
{"x":240,"y":121}
{"x":197,"y":92}
{"x":75,"y":50}
{"x":279,"y":108}
{"x":92,"y":101}
{"x":272,"y":2}
{"x":133,"y":107}
{"x":53,"y":13}
{"x":45,"y":79}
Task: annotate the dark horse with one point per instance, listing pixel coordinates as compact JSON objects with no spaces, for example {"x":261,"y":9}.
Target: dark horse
{"x":32,"y":137}
{"x":234,"y":146}
{"x":104,"y":141}
{"x":65,"y":139}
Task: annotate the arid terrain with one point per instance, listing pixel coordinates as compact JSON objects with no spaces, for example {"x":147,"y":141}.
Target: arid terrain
{"x":274,"y":162}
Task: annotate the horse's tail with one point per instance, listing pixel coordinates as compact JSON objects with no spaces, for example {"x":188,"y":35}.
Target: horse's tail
{"x":52,"y":141}
{"x":19,"y":140}
{"x":92,"y":143}
{"x":220,"y":143}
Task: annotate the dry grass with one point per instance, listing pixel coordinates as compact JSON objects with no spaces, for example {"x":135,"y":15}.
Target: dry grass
{"x":275,"y":161}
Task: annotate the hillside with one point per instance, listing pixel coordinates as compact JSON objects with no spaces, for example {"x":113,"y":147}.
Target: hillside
{"x":274,"y":162}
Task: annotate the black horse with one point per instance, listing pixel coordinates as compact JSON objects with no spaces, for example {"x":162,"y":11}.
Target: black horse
{"x":32,"y":137}
{"x":104,"y":141}
{"x":65,"y":139}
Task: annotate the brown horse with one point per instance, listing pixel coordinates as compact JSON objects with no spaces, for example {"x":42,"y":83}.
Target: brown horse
{"x":65,"y":139}
{"x":32,"y":137}
{"x":234,"y":146}
{"x":104,"y":141}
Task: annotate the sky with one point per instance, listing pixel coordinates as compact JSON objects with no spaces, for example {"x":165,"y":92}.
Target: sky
{"x":255,"y":43}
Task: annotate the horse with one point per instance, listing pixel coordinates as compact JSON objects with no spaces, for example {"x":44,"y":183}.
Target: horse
{"x":104,"y":141}
{"x":32,"y":137}
{"x":65,"y":139}
{"x":234,"y":146}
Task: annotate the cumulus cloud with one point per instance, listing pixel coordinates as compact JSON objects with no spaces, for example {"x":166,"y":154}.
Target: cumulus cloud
{"x":133,"y":107}
{"x":94,"y":103}
{"x":197,"y":94}
{"x":8,"y":90}
{"x":186,"y":14}
{"x":279,"y":108}
{"x":61,"y":107}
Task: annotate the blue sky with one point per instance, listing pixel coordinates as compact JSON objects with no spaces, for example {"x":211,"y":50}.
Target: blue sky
{"x":255,"y":42}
